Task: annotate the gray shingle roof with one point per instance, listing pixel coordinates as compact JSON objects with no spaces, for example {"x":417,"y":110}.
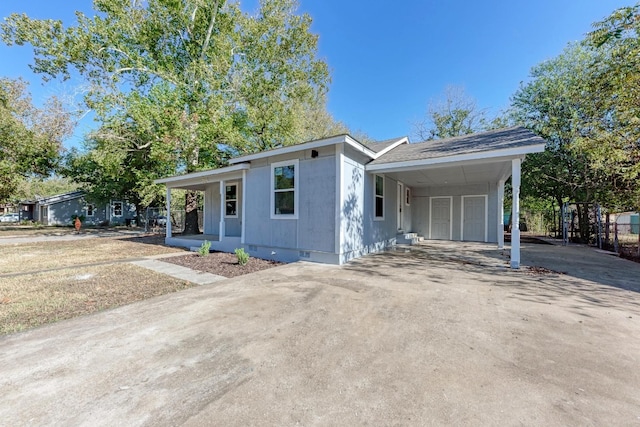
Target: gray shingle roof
{"x":381,"y":145}
{"x":501,"y":139}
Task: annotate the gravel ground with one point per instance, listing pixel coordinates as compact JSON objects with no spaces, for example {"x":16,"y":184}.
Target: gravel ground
{"x":221,"y":263}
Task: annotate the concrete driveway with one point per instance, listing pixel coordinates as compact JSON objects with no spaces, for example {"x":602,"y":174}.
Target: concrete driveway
{"x":443,"y":334}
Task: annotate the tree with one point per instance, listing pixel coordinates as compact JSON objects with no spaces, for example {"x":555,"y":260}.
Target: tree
{"x":221,"y":80}
{"x":586,"y":103}
{"x":32,"y":187}
{"x":611,"y":136}
{"x":30,"y":138}
{"x":454,"y":114}
{"x":553,"y":105}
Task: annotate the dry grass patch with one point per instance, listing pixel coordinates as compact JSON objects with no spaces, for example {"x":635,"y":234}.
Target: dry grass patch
{"x":31,"y":300}
{"x":33,"y":257}
{"x":33,"y":230}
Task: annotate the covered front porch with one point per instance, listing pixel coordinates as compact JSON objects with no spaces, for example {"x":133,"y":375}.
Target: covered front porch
{"x":222,"y":191}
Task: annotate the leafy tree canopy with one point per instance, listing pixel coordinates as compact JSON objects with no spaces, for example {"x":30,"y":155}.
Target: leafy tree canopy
{"x":586,"y":103}
{"x":178,"y":85}
{"x":30,"y":138}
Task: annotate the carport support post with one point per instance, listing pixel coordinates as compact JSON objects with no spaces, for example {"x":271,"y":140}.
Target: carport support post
{"x":168,"y":221}
{"x":221,"y":231}
{"x":501,"y":214}
{"x":515,"y":216}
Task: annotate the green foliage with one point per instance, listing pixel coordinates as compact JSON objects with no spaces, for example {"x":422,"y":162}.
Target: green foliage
{"x":204,"y":248}
{"x":30,"y":138}
{"x":242,"y":256}
{"x":556,"y":105}
{"x":32,"y":187}
{"x":179,"y":85}
{"x":586,"y":103}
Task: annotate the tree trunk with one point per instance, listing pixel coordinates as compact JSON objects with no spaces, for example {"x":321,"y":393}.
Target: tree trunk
{"x":191,"y":213}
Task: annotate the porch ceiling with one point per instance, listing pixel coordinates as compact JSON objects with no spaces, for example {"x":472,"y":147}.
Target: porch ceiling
{"x":458,"y":174}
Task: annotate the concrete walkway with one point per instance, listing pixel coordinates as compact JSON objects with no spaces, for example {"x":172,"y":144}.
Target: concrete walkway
{"x":441,"y":334}
{"x":152,"y":262}
{"x":179,"y":272}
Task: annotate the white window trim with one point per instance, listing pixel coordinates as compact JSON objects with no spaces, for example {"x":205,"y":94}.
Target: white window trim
{"x":93,"y":210}
{"x":113,"y":208}
{"x":375,"y":196}
{"x":235,"y":184}
{"x":486,"y":215}
{"x":296,"y":189}
{"x":407,"y":196}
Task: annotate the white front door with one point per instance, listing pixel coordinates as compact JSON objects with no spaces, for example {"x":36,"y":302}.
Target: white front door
{"x":440,"y":210}
{"x":399,"y":206}
{"x":474,"y":222}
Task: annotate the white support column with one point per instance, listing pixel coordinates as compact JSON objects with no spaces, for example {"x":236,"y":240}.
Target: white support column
{"x":168,"y":222}
{"x":515,"y":215}
{"x":242,"y":204}
{"x":221,"y":231}
{"x":501,"y":214}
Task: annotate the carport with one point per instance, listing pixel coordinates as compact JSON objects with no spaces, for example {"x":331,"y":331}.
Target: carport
{"x":455,"y":190}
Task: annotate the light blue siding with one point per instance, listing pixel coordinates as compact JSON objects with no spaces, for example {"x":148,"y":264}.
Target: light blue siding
{"x":421,"y":199}
{"x":314,"y":229}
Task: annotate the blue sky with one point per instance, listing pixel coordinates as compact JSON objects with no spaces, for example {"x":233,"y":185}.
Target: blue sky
{"x":388,"y":61}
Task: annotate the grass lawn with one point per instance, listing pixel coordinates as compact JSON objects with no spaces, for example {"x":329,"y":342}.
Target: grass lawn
{"x":31,"y":257}
{"x":10,"y":230}
{"x":30,"y":300}
{"x":54,"y":280}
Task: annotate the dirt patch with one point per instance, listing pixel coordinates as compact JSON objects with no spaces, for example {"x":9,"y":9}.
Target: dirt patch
{"x":539,"y":271}
{"x":221,"y":263}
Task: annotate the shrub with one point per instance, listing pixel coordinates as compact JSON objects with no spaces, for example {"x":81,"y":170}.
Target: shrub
{"x":243,"y":257}
{"x":204,"y":248}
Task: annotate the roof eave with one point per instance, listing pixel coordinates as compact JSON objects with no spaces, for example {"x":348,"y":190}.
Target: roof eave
{"x":504,"y":154}
{"x":178,"y":179}
{"x":340,"y":139}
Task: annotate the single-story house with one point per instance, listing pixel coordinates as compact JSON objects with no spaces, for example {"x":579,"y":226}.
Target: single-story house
{"x":59,"y":209}
{"x":336,"y":199}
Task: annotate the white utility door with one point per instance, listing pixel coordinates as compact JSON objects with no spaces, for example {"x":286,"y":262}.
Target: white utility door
{"x":474,"y":219}
{"x":440,"y":227}
{"x":399,"y":205}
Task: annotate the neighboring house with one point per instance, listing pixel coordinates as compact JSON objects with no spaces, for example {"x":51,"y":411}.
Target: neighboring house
{"x":59,"y":209}
{"x":336,"y":199}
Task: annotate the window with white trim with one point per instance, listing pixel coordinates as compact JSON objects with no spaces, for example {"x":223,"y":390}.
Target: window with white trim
{"x":284,"y":197}
{"x":231,"y":200}
{"x":91,"y":208}
{"x":117,"y":208}
{"x":407,"y":196}
{"x":378,"y":207}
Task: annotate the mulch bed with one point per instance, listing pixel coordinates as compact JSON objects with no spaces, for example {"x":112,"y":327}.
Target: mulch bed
{"x":221,"y":263}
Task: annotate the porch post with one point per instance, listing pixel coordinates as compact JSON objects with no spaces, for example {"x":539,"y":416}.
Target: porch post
{"x":168,"y":201}
{"x":221,"y":231}
{"x":244,"y":186}
{"x":501,"y":214}
{"x":515,"y":216}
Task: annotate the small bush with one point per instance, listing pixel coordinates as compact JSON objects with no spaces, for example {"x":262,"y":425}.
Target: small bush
{"x":204,"y":248}
{"x":243,"y":257}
